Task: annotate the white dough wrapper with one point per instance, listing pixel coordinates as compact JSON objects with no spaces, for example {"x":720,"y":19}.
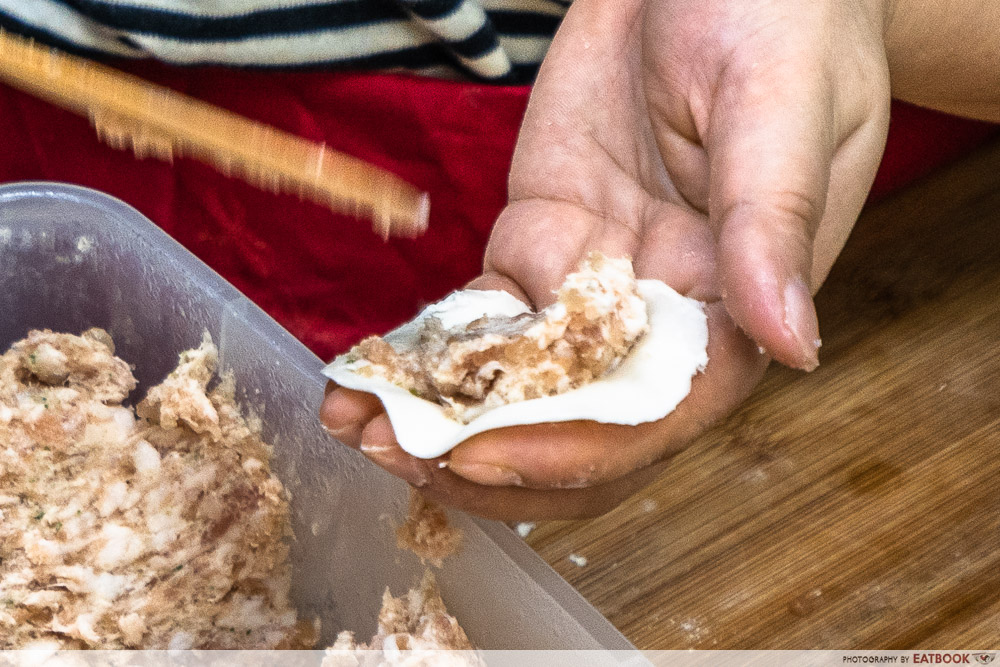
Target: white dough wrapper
{"x":649,"y":383}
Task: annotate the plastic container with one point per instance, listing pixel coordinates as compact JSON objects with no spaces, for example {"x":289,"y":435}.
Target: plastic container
{"x":72,"y":258}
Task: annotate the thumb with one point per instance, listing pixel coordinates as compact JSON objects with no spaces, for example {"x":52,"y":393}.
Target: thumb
{"x":770,"y":150}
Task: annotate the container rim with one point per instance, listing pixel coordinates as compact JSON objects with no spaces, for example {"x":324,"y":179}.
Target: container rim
{"x":245,"y":312}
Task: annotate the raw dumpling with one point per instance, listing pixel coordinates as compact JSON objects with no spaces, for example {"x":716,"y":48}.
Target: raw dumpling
{"x":612,"y":349}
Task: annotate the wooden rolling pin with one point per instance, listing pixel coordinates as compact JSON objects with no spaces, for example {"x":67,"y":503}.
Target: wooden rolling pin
{"x":130,"y":112}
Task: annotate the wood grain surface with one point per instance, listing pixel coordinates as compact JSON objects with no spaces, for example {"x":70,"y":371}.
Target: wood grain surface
{"x":856,"y":507}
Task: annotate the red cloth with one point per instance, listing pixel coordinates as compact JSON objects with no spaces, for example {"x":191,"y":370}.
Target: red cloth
{"x":327,"y":278}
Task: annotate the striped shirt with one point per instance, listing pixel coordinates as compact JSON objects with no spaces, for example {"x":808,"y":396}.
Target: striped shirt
{"x":500,"y":41}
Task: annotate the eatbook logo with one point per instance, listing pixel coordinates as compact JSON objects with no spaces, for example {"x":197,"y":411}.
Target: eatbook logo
{"x":985,"y":658}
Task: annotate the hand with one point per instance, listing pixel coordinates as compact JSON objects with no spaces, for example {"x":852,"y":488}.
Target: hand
{"x":727,"y":147}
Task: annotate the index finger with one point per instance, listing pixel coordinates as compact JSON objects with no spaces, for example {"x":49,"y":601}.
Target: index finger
{"x":536,"y":243}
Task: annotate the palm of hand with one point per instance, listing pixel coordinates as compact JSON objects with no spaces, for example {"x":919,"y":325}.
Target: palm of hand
{"x":619,"y":153}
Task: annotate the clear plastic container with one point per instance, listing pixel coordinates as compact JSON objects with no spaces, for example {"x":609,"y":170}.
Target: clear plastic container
{"x":72,"y":258}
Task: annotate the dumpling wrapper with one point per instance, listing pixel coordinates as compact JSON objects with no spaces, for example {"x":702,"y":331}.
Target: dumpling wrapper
{"x":648,"y":384}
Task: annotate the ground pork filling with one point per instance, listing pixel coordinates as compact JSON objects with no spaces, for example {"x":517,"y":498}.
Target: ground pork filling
{"x":597,"y":319}
{"x":427,"y":532}
{"x":111,"y":525}
{"x":164,"y":531}
{"x":417,"y":621}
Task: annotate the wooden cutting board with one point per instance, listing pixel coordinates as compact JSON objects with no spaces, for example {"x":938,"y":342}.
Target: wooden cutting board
{"x":857,"y":507}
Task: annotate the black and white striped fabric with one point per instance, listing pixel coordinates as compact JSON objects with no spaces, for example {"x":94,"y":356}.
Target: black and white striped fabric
{"x":493,"y":40}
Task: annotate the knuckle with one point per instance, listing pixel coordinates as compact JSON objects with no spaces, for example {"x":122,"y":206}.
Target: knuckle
{"x":796,"y":208}
{"x":786,"y":214}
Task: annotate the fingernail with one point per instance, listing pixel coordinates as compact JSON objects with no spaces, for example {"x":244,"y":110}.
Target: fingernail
{"x":339,"y":433}
{"x":375,"y":450}
{"x":393,"y":460}
{"x":800,"y":318}
{"x":486,"y":474}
